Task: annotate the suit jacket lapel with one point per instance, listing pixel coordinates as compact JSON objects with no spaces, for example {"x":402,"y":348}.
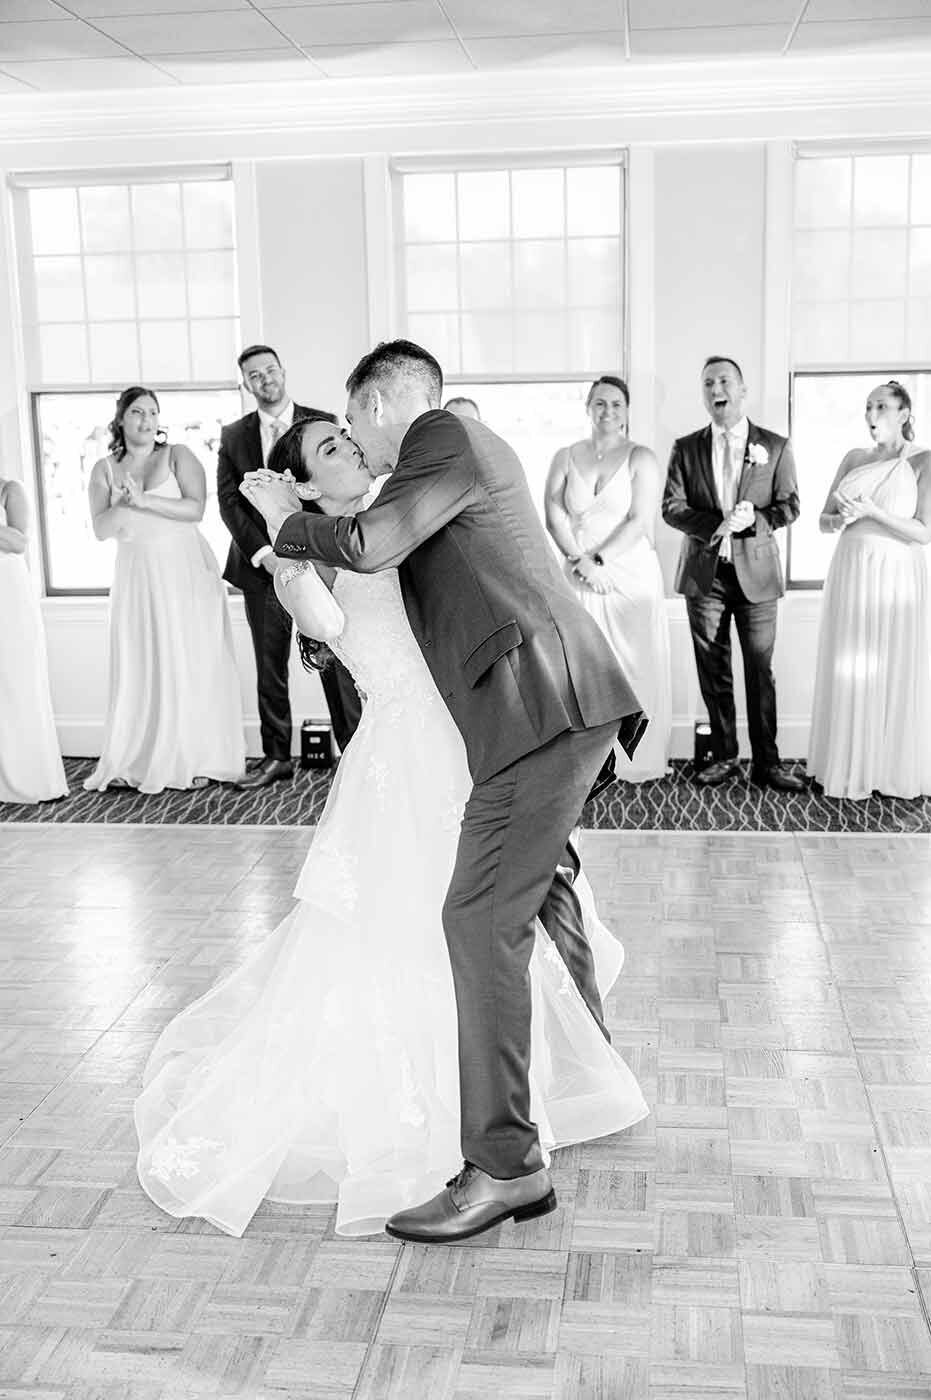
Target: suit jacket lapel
{"x":753,"y":436}
{"x":254,"y":442}
{"x":706,"y":465}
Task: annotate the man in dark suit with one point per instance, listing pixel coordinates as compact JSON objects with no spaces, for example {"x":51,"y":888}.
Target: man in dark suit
{"x":728,"y":488}
{"x":538,"y":697}
{"x":244,"y":447}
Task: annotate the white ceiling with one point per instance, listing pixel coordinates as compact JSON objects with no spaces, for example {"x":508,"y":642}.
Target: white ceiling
{"x":86,"y":45}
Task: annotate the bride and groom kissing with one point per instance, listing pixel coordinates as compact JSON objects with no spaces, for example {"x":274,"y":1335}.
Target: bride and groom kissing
{"x":329,"y":1067}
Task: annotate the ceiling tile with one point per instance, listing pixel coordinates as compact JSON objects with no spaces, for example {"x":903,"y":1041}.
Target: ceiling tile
{"x":708,"y":43}
{"x":90,"y":75}
{"x":256,"y":66}
{"x":196,"y":33}
{"x":109,"y":9}
{"x":32,"y":9}
{"x":714,"y":14}
{"x":863,"y":34}
{"x":384,"y":22}
{"x":539,"y":51}
{"x":494,"y":19}
{"x":65,"y":38}
{"x":867,"y":9}
{"x":391,"y":60}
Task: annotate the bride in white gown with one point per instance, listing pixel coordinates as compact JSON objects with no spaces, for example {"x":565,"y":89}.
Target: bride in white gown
{"x":326,"y":1068}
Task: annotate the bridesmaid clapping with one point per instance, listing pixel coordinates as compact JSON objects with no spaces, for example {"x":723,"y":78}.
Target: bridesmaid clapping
{"x":870,"y":723}
{"x":30,"y":761}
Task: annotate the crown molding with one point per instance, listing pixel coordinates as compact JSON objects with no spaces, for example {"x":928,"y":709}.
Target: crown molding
{"x":795,"y":98}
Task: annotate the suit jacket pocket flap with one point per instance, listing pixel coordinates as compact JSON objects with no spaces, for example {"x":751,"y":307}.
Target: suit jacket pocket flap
{"x":504,"y":639}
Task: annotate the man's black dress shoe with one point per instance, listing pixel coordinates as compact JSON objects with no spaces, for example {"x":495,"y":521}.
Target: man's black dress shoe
{"x":718,"y":772}
{"x":471,"y":1203}
{"x":272,"y":770}
{"x":778,"y":777}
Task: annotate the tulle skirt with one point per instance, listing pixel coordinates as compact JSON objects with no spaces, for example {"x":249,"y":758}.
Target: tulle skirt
{"x":871,"y":715}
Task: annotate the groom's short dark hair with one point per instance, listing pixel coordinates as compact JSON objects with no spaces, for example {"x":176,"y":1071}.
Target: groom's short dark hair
{"x":392,"y":360}
{"x":723,"y":360}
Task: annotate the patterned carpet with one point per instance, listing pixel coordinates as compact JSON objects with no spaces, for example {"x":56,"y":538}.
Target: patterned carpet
{"x":671,"y":804}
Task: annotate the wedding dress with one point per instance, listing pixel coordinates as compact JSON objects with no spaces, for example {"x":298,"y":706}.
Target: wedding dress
{"x":632,"y":616}
{"x":325,"y":1068}
{"x":872,"y":701}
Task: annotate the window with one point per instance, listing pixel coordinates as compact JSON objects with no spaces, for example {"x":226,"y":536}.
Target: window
{"x":125,"y":278}
{"x":827,"y":420}
{"x":861,"y":306}
{"x":512,"y":274}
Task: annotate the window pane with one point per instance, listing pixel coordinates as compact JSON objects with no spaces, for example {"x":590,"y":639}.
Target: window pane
{"x":59,"y":289}
{"x":114,"y":352}
{"x":157,"y":217}
{"x":539,"y":203}
{"x":878,"y":267}
{"x":208,"y":214}
{"x":877,"y":331}
{"x":106,"y":221}
{"x":821,"y":266}
{"x":594,"y":200}
{"x":110,"y":288}
{"x":540,"y":274}
{"x":431,"y":277}
{"x":63,"y":351}
{"x":920,"y":259}
{"x":822,"y":193}
{"x":165,"y":352}
{"x":919,"y":334}
{"x":485,"y":275}
{"x":487,"y":343}
{"x":594,"y":341}
{"x":880,"y":190}
{"x":160,"y":284}
{"x":594,"y":272}
{"x":53,"y":216}
{"x":214,"y":347}
{"x":820,"y":333}
{"x":484,"y":204}
{"x":439,"y":335}
{"x":429,"y":208}
{"x":212,"y":284}
{"x":542,"y":343}
{"x":921,"y":189}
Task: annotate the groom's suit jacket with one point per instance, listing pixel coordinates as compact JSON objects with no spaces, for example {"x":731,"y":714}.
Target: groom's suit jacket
{"x":516,"y":658}
{"x":241,"y":452}
{"x":691,"y":504}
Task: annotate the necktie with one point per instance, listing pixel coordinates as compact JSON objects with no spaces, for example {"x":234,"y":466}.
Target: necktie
{"x":275,"y":429}
{"x":728,"y":488}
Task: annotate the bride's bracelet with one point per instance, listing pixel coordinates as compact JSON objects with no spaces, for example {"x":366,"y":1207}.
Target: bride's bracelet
{"x":287,"y":575}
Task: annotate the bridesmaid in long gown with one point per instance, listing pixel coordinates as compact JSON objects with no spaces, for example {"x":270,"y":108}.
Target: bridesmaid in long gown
{"x":871,"y":717}
{"x":175,"y":715}
{"x":602,"y":501}
{"x":30,"y":760}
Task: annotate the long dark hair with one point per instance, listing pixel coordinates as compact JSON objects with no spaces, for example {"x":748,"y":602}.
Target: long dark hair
{"x":904,"y":399}
{"x":117,"y":443}
{"x":287,"y":456}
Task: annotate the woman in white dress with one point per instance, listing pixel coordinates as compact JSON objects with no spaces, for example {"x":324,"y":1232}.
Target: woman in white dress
{"x":326,"y":1067}
{"x":871,"y":715}
{"x":174,"y":717}
{"x":602,"y":502}
{"x":30,"y":759}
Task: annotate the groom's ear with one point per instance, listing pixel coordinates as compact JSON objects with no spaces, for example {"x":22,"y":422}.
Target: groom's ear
{"x":376,"y":405}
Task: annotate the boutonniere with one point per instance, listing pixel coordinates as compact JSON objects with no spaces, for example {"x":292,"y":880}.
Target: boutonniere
{"x":757,"y":454}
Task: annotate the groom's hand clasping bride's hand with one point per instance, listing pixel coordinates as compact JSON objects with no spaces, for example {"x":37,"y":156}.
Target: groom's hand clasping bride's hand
{"x":273,"y":496}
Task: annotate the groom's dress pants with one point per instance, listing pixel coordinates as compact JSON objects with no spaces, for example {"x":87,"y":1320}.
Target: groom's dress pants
{"x":514,"y":834}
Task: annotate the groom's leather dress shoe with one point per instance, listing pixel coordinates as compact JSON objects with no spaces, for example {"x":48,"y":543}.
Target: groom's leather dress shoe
{"x":778,"y":777}
{"x":472,"y":1202}
{"x":718,"y":772}
{"x":273,"y":770}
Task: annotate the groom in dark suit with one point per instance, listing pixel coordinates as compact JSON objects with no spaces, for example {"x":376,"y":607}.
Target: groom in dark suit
{"x":538,"y":697}
{"x":244,"y":447}
{"x":728,"y":488}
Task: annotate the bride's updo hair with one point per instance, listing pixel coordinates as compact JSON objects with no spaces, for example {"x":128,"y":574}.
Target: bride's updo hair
{"x":117,"y":443}
{"x":904,"y":400}
{"x":287,"y":455}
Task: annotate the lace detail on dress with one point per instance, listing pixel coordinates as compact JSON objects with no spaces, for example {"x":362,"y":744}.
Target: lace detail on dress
{"x":173,"y":1158}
